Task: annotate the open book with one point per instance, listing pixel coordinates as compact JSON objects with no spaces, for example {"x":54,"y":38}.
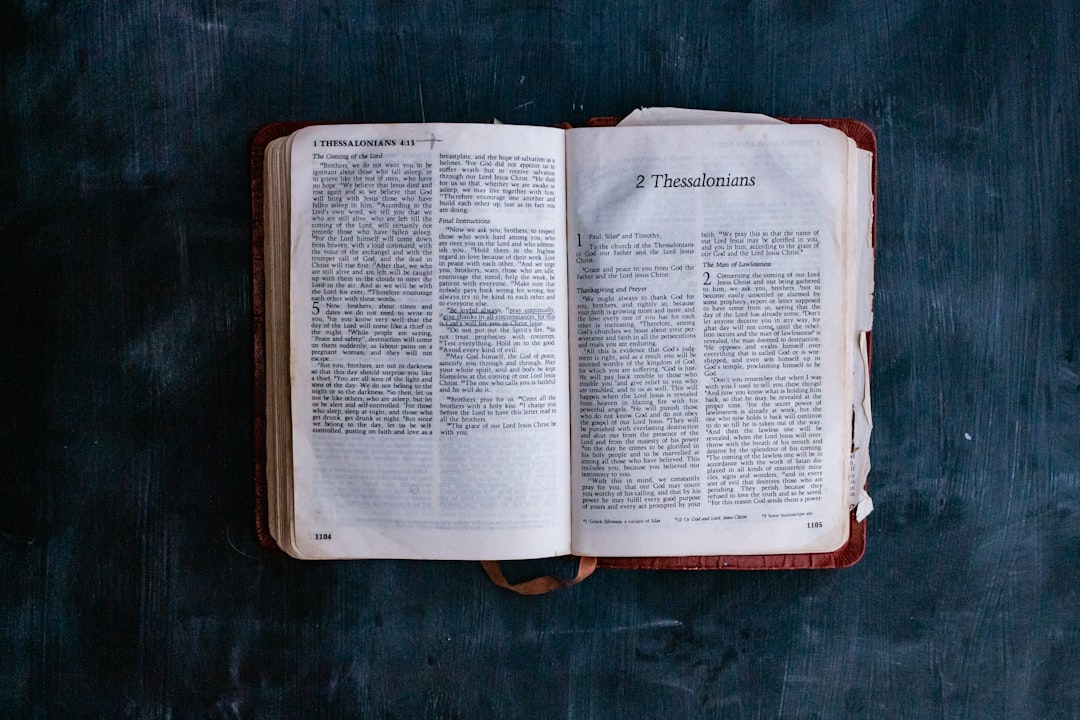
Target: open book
{"x":501,"y":342}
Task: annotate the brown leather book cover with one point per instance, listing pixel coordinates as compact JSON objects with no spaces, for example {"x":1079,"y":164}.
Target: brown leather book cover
{"x":846,"y":556}
{"x":258,"y":308}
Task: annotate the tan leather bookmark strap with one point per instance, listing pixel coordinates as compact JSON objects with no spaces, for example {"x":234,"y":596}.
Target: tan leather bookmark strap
{"x":540,"y":585}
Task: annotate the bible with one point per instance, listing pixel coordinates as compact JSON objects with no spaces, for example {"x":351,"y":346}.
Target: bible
{"x":646,"y":343}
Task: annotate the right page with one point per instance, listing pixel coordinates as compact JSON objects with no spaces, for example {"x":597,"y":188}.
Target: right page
{"x":711,"y":279}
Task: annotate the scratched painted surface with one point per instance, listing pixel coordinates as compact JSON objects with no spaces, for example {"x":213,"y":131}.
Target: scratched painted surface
{"x":131,"y":583}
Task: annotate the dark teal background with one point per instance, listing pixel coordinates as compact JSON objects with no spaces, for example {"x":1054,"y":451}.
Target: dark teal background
{"x":130,"y":582}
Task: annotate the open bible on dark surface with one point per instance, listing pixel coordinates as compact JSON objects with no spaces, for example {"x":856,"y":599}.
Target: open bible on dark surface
{"x":645,"y":343}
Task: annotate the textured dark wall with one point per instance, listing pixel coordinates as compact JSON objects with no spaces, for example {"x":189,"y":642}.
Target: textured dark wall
{"x":130,"y":584}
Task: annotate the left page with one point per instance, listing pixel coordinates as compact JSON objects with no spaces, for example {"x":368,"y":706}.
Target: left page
{"x":429,"y":342}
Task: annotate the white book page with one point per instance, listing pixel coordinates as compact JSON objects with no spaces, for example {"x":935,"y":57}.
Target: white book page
{"x":429,"y":356}
{"x":860,"y":193}
{"x":712,"y":339}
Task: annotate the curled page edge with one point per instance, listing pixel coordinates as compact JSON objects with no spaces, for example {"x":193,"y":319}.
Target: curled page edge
{"x":864,"y":300}
{"x":864,"y":508}
{"x":682,"y":116}
{"x":864,"y":320}
{"x":860,"y":440}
